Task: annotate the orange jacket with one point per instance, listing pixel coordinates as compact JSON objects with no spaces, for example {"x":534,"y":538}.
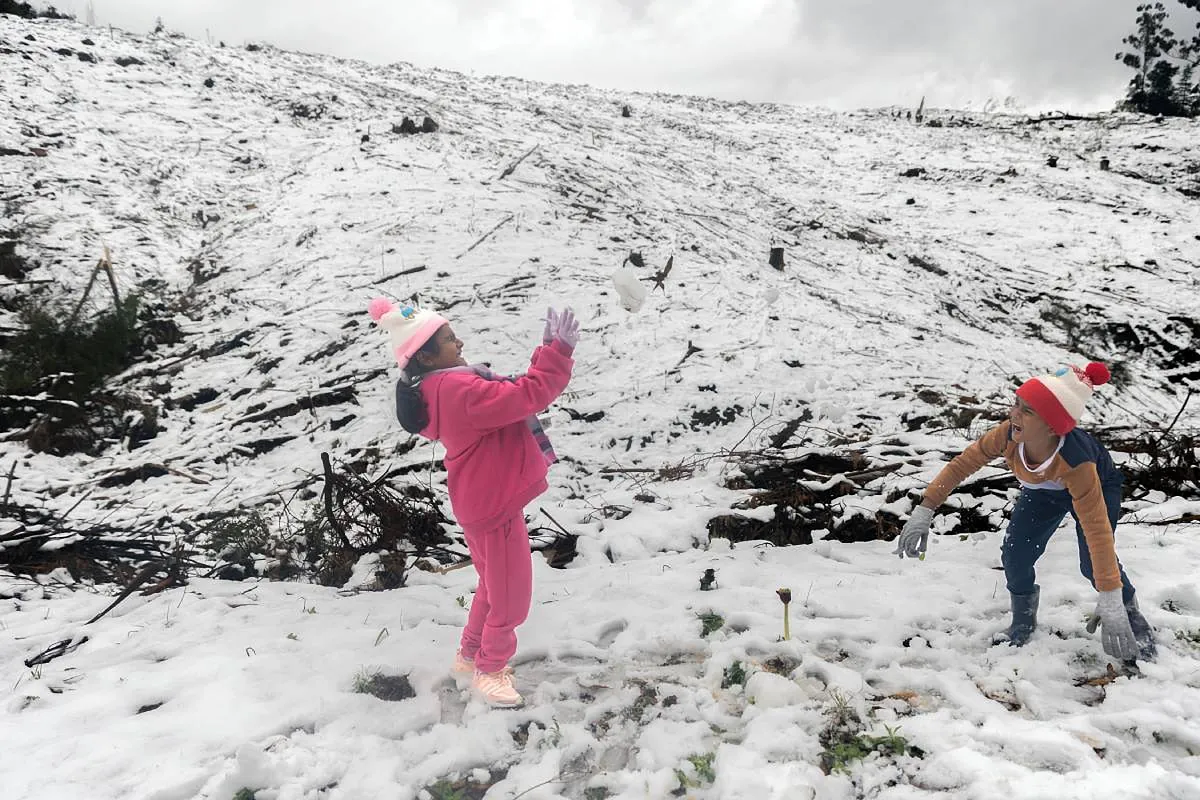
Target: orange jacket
{"x":1081,"y":466}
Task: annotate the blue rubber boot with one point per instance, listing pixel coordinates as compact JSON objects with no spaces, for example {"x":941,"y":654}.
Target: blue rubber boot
{"x":1024,"y":619}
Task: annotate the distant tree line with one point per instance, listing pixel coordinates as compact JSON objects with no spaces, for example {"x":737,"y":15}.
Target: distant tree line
{"x":29,"y":12}
{"x":1165,"y":79}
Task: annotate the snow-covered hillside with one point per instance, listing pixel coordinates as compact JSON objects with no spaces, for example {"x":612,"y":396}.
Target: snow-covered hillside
{"x":268,"y":197}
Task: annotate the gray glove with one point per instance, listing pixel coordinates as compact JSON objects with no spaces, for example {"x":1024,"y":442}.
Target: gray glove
{"x":913,"y":540}
{"x":1116,"y":634}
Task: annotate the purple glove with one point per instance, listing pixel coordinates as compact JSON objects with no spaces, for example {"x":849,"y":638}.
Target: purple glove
{"x":566,"y":328}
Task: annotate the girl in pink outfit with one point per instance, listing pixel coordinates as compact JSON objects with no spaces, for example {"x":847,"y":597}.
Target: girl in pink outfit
{"x":496,"y":461}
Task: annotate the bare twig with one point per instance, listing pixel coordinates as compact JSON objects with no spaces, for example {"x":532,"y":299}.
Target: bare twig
{"x":562,"y":777}
{"x":481,"y":239}
{"x":1177,"y":416}
{"x":87,"y":290}
{"x":333,"y":520}
{"x":552,"y":519}
{"x":509,"y":169}
{"x":142,"y":576}
{"x":8,"y":485}
{"x":106,"y":265}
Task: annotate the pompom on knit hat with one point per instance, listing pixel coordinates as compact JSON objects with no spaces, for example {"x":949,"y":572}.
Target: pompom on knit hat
{"x":409,"y":328}
{"x":1059,"y":398}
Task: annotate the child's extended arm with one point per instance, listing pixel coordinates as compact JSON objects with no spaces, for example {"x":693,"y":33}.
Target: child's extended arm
{"x":913,"y":539}
{"x":991,"y":445}
{"x":1087,"y":496}
{"x":493,"y":404}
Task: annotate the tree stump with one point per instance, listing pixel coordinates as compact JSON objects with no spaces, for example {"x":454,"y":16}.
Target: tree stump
{"x":776,"y":258}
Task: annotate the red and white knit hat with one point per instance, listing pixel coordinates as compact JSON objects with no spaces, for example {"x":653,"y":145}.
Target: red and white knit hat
{"x":1059,"y":398}
{"x":409,"y":328}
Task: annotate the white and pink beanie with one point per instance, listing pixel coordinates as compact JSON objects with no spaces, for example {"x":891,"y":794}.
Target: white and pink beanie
{"x":409,"y":328}
{"x":1059,"y":398}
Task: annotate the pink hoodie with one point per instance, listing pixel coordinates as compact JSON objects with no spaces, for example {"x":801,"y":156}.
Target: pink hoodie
{"x":494,"y":466}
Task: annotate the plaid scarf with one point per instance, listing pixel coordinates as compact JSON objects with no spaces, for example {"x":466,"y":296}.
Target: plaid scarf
{"x":535,"y":424}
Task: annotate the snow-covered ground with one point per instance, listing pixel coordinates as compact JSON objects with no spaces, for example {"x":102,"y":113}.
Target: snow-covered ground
{"x":918,"y":260}
{"x":220,"y":686}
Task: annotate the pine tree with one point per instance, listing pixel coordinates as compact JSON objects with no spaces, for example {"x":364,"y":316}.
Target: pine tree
{"x":1147,"y":47}
{"x":1188,"y":84}
{"x":27,"y":11}
{"x":19,"y":9}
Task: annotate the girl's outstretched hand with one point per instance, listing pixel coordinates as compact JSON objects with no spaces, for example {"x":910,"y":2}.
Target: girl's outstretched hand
{"x":567,"y":330}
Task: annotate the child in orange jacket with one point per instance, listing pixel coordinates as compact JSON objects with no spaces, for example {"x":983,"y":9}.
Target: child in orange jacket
{"x":1062,"y":470}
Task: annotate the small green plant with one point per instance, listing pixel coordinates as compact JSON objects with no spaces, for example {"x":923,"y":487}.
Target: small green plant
{"x":53,"y":344}
{"x":245,"y":794}
{"x":702,"y":764}
{"x":710,"y":622}
{"x":840,"y":754}
{"x":293,"y":637}
{"x":444,"y":790}
{"x":238,"y":539}
{"x":596,"y":793}
{"x":365,"y":679}
{"x":461,"y":600}
{"x":734,"y":675}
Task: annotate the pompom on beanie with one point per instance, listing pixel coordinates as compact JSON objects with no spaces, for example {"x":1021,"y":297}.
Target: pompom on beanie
{"x":408,"y":328}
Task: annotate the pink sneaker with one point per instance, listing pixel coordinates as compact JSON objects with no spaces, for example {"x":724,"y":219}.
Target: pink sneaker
{"x":463,"y":665}
{"x":497,"y":689}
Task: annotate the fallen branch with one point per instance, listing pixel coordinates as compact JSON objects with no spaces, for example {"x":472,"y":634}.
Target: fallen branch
{"x":451,"y":567}
{"x":59,"y":648}
{"x":552,"y":519}
{"x":402,"y":273}
{"x":691,"y":351}
{"x":1164,"y":433}
{"x":143,"y":575}
{"x":1060,"y":118}
{"x":481,"y":239}
{"x":511,"y":167}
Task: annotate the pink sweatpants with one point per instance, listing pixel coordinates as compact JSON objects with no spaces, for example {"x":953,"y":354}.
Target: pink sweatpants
{"x":501,"y":557}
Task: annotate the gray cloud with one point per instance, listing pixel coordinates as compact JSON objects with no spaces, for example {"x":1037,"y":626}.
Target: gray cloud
{"x":837,"y":53}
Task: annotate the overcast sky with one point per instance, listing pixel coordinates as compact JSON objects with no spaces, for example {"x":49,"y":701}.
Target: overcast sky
{"x":836,"y":53}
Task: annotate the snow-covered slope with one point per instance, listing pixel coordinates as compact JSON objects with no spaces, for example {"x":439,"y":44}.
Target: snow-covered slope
{"x":926,"y":267}
{"x":953,"y":277}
